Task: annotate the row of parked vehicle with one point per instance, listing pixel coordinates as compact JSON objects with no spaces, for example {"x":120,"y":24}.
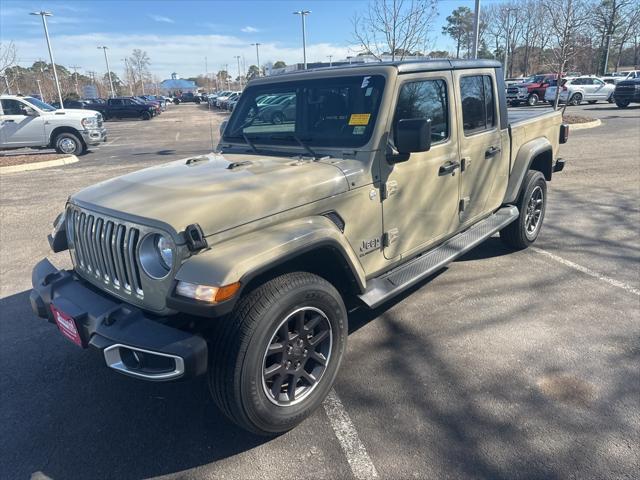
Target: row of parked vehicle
{"x":574,"y":89}
{"x":224,"y":100}
{"x":144,"y":107}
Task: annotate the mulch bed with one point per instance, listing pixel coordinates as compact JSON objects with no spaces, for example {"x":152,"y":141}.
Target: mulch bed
{"x":9,"y":159}
{"x":568,"y":118}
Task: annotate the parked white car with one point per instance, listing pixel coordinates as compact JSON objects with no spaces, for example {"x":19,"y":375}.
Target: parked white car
{"x":29,"y":122}
{"x":581,"y":89}
{"x":619,"y":76}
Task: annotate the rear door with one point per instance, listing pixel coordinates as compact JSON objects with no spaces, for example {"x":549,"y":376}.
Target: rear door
{"x":485,"y":164}
{"x":600,"y":92}
{"x":21,"y":125}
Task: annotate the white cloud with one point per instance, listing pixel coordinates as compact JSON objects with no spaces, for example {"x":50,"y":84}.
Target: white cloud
{"x":160,"y":18}
{"x":183,"y":54}
{"x":250,"y":29}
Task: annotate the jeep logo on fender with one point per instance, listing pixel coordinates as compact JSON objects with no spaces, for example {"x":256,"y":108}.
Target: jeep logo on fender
{"x":369,"y":245}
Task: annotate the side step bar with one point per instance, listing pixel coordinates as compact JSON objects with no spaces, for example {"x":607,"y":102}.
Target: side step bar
{"x":400,"y":278}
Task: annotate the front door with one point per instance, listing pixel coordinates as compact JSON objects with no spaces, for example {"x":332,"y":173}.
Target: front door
{"x":21,"y":125}
{"x":420,"y":202}
{"x":484,"y":163}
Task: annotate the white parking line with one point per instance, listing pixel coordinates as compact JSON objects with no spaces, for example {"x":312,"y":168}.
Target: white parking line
{"x":588,"y":271}
{"x":357,"y":456}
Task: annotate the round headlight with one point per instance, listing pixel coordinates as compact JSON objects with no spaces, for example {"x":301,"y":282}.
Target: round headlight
{"x":156,"y":255}
{"x":166,"y":252}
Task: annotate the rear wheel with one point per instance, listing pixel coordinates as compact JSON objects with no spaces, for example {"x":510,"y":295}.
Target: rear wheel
{"x":146,"y":116}
{"x":277,"y":118}
{"x":69,"y":143}
{"x":611,"y":98}
{"x":576,"y":99}
{"x":276,"y":357}
{"x":531,"y":204}
{"x":532,"y":100}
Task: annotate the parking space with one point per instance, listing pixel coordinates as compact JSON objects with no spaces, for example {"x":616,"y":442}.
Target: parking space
{"x":506,"y":365}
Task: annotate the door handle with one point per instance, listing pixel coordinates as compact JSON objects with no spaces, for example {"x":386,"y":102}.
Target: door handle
{"x":492,"y":152}
{"x":447,"y":168}
{"x":8,"y":121}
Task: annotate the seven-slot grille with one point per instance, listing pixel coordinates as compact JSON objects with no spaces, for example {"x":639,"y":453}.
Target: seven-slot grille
{"x":105,"y":249}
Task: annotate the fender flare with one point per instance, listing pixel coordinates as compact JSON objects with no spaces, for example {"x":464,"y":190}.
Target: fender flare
{"x":527,"y":153}
{"x":244,"y":257}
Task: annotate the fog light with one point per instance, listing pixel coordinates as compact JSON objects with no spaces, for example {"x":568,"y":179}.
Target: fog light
{"x":206,"y":293}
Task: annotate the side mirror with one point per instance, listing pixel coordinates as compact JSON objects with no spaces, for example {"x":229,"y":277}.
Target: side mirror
{"x":413,"y":135}
{"x":223,"y":125}
{"x":30,"y":112}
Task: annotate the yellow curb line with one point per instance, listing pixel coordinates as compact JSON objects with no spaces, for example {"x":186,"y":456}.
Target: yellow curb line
{"x":38,"y":165}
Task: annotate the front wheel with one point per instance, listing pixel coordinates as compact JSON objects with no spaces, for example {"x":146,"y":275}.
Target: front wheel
{"x":146,"y":116}
{"x":532,"y":204}
{"x":622,"y":103}
{"x":532,"y":101}
{"x":276,"y":357}
{"x":69,"y":144}
{"x":576,"y":99}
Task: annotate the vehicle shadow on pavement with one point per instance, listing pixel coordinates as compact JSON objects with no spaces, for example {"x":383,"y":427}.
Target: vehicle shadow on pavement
{"x":64,"y":414}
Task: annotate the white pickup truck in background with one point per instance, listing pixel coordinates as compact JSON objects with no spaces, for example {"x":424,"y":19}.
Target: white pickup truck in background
{"x":29,"y":122}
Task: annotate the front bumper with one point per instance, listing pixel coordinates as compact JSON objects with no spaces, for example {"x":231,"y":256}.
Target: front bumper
{"x":517,"y":97}
{"x":132,"y":342}
{"x":94,"y":136}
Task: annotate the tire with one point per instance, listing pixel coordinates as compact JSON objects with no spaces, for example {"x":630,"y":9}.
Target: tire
{"x":611,"y":98}
{"x":146,"y":116}
{"x":532,"y":101}
{"x":576,"y":99}
{"x":277,"y":118}
{"x":242,"y":378}
{"x":591,"y":102}
{"x":520,"y":234}
{"x":69,"y":143}
{"x":622,"y":103}
{"x":197,"y":101}
{"x":176,"y":101}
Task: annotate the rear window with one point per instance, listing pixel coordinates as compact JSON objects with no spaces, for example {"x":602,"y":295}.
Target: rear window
{"x":478,"y":103}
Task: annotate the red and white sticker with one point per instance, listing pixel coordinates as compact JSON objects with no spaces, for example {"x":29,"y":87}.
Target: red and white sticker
{"x":67,"y":326}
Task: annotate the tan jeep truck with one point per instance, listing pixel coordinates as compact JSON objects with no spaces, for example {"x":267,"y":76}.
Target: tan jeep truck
{"x":242,"y":264}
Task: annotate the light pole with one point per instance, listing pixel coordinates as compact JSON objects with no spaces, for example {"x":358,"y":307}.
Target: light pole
{"x":39,"y":89}
{"x":75,"y":78}
{"x":104,"y":49}
{"x":6,"y":82}
{"x":330,"y":61}
{"x":476,"y":29}
{"x":303,"y":13}
{"x":238,"y":57}
{"x":506,"y":51}
{"x":226,"y":70}
{"x":606,"y":55}
{"x":44,"y":14}
{"x":257,"y":55}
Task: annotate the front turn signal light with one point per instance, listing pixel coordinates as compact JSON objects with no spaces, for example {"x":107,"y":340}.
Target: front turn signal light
{"x":206,"y":293}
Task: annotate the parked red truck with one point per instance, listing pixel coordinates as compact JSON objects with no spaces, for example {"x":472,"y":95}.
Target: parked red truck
{"x":531,"y":90}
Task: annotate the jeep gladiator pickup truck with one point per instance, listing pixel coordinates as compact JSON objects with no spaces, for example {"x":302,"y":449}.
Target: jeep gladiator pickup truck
{"x":242,"y":264}
{"x":29,"y":122}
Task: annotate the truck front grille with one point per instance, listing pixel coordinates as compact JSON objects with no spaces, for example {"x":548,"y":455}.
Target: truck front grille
{"x":105,"y":249}
{"x":512,"y":90}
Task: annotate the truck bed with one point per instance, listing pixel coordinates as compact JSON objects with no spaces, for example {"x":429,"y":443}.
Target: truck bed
{"x":520,"y":115}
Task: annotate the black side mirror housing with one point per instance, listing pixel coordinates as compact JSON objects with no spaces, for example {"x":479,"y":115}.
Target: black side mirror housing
{"x":413,"y":135}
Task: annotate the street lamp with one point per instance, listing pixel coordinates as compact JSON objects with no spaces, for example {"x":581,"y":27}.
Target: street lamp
{"x":330,"y":62}
{"x":303,"y":13}
{"x":606,"y":56}
{"x":506,"y":52}
{"x":238,"y":57}
{"x":476,"y":29}
{"x":44,"y":14}
{"x":104,"y":49}
{"x":257,"y":55}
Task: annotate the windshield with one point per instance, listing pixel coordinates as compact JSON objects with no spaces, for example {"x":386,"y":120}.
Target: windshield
{"x":335,"y":112}
{"x":40,"y":104}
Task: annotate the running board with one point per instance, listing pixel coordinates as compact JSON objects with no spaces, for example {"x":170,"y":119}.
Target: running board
{"x":400,"y":278}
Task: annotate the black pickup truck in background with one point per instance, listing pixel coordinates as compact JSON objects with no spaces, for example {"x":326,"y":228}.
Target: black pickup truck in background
{"x":187,"y":97}
{"x":123,"y":107}
{"x":627,"y":91}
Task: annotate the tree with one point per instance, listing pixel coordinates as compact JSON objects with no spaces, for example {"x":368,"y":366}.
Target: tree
{"x":223,"y":78}
{"x":117,"y":83}
{"x":439,"y":54}
{"x":395,"y":26}
{"x":139,"y":62}
{"x":566,"y":17}
{"x":610,"y":16}
{"x":279,"y":64}
{"x":253,"y":72}
{"x":460,"y":27}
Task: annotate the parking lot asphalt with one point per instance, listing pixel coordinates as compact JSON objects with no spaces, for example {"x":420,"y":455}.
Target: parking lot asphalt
{"x":505,"y":365}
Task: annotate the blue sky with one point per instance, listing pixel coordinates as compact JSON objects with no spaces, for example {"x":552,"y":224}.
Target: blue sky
{"x":179,"y":34}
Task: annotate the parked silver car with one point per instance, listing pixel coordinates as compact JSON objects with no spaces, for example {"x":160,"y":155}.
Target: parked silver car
{"x":577,"y":90}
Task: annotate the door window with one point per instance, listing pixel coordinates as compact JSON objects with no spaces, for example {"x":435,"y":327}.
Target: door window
{"x":13,"y":107}
{"x":478,"y":103}
{"x":425,"y":99}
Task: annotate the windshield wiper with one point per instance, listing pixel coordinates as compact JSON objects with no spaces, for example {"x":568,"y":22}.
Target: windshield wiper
{"x":294,"y":136}
{"x":249,"y":142}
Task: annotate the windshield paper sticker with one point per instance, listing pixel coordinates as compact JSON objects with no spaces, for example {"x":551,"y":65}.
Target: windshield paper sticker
{"x":359,"y":119}
{"x":359,"y":130}
{"x":365,"y":82}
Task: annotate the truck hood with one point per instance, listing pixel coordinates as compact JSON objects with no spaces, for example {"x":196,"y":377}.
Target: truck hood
{"x":216,"y":191}
{"x":73,"y":113}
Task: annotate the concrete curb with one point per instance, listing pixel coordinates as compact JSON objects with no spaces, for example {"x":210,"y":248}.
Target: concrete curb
{"x":38,"y":165}
{"x":584,"y":126}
